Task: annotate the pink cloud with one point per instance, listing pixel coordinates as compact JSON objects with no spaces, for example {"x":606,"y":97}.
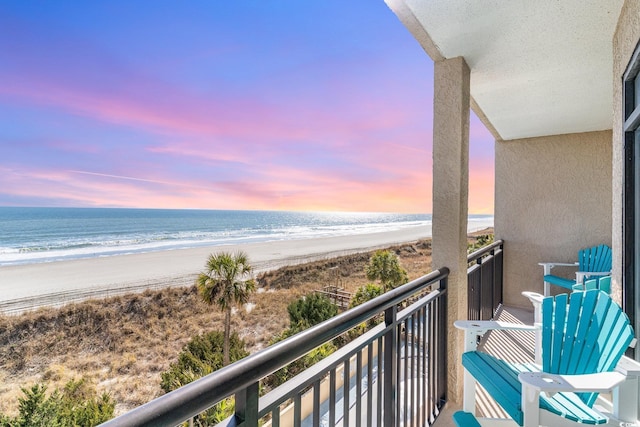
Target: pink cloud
{"x":275,"y":188}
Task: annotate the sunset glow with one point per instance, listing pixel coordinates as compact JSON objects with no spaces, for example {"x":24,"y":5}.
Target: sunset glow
{"x":289,"y":105}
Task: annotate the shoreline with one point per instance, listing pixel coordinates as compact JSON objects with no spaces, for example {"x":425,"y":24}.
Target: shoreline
{"x":29,"y":286}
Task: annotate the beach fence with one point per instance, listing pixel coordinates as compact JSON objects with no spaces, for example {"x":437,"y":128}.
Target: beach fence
{"x":337,"y":296}
{"x":69,"y":296}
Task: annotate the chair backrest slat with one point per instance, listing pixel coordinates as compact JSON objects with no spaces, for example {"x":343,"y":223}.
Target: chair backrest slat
{"x":583,"y":259}
{"x":595,"y":259}
{"x":595,"y":325}
{"x":586,"y":303}
{"x":616,"y":342}
{"x":571,"y":349}
{"x":605,"y":259}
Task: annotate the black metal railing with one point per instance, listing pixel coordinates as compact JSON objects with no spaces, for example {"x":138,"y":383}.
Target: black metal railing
{"x":484,"y":281}
{"x":394,"y":374}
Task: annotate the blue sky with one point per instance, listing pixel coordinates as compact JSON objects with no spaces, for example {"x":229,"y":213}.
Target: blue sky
{"x":292,"y":105}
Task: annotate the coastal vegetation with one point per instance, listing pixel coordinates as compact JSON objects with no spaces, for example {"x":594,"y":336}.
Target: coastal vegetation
{"x":365,"y":293}
{"x":479,"y":241}
{"x":124,"y":344}
{"x":201,"y":356}
{"x":76,"y":404}
{"x":309,"y":311}
{"x":385,"y":267}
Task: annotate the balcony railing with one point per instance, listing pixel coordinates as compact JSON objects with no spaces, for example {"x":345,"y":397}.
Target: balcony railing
{"x":395,"y":374}
{"x":484,"y":281}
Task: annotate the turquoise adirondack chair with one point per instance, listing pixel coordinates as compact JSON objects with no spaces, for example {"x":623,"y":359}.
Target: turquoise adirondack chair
{"x":592,"y":263}
{"x":584,"y":335}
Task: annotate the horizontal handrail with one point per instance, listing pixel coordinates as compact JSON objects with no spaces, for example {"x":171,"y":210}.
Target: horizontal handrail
{"x":484,"y":251}
{"x":196,"y":397}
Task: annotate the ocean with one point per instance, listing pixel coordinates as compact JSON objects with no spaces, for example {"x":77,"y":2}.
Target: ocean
{"x":34,"y":235}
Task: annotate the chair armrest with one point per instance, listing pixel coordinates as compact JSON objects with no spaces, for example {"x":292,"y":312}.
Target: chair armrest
{"x":534,"y":297}
{"x":549,"y":265}
{"x":601,"y":382}
{"x":628,"y":367}
{"x":562,"y":264}
{"x":594,"y":273}
{"x":482,"y":326}
{"x":477,"y":328}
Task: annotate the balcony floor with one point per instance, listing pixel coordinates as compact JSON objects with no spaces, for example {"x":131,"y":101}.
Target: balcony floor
{"x":515,"y":346}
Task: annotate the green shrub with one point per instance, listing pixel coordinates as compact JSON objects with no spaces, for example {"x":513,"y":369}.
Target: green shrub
{"x":202,"y":356}
{"x":385,"y":267}
{"x":75,"y":405}
{"x":364,"y":294}
{"x":481,"y":241}
{"x":310,"y":310}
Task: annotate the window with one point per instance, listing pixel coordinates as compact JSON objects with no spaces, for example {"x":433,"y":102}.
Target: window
{"x":631,"y":207}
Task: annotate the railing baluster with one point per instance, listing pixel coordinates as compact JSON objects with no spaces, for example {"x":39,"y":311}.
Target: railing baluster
{"x":332,"y":397}
{"x":316,"y":403}
{"x":418,"y":374}
{"x":297,"y":410}
{"x":346,"y":386}
{"x":413,"y":371}
{"x":423,"y":359}
{"x":380,"y":382}
{"x":441,"y":347}
{"x":358,"y":377}
{"x":369,"y":384}
{"x":390,"y":363}
{"x":404,"y":363}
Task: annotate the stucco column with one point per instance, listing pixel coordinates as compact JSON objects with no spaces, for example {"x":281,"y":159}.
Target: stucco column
{"x":450,"y":195}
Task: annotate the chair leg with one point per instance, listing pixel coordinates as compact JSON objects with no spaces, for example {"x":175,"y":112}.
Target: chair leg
{"x":626,"y":401}
{"x":469,"y":393}
{"x":530,"y":406}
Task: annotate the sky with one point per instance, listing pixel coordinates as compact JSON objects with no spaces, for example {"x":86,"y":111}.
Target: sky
{"x":210,"y":104}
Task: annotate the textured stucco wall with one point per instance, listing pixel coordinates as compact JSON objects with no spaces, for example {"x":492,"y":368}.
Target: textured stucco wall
{"x":624,"y":42}
{"x":450,"y":200}
{"x":553,"y":197}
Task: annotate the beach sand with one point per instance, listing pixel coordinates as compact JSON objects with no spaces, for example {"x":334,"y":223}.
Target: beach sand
{"x":24,"y":287}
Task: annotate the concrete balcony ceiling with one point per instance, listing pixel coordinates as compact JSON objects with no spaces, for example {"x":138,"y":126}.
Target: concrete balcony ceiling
{"x":538,"y":68}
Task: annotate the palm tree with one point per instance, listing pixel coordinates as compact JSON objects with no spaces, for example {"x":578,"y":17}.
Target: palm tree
{"x":226,"y":282}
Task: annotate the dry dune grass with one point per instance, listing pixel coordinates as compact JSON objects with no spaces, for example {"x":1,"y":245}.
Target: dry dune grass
{"x":123,"y":343}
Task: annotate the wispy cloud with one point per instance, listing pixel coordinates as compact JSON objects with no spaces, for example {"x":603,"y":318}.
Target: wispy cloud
{"x":128,"y":178}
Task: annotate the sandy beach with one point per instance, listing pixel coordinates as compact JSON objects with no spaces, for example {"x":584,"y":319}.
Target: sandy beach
{"x":32,"y":285}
